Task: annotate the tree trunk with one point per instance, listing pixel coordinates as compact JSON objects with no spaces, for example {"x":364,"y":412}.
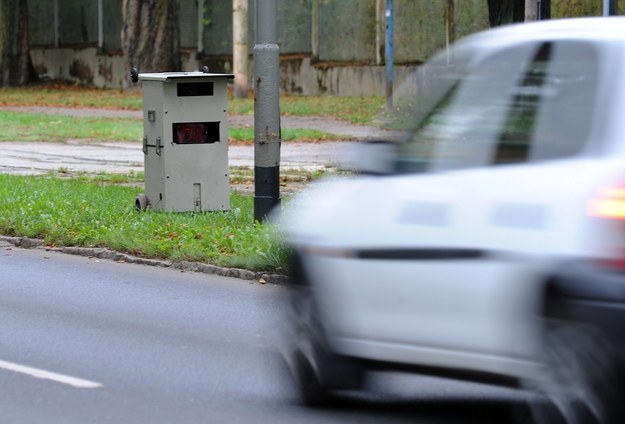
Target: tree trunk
{"x":531,"y":11}
{"x":15,"y":62}
{"x":450,"y":18}
{"x":151,"y":35}
{"x":240,"y":50}
{"x":26,"y":71}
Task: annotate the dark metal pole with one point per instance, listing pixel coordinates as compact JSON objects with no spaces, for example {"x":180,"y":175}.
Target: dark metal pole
{"x":100,"y":26}
{"x":609,"y":7}
{"x":267,"y":136}
{"x":389,"y":54}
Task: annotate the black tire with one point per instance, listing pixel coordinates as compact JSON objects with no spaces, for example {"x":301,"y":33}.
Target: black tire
{"x":316,"y":369}
{"x":312,"y":391}
{"x":141,"y":202}
{"x":581,"y":381}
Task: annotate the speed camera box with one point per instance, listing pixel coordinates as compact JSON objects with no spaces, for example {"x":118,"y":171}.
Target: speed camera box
{"x":185,"y":143}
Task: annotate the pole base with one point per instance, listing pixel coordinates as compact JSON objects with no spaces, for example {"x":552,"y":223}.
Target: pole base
{"x":266,"y":191}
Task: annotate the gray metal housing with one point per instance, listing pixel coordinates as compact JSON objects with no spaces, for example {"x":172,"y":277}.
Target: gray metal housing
{"x":185,"y":176}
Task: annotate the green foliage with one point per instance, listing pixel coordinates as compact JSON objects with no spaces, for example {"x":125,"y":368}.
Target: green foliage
{"x":206,"y":13}
{"x":79,"y":212}
{"x":574,"y":8}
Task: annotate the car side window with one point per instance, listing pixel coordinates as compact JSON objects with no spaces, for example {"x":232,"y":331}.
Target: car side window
{"x":461,"y":128}
{"x":530,"y":102}
{"x":568,"y":103}
{"x":550,"y":110}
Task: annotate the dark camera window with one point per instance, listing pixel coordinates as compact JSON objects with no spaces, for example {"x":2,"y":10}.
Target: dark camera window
{"x":196,"y":132}
{"x":188,"y":89}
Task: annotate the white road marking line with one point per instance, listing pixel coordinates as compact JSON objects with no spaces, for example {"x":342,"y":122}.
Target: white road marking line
{"x":47,"y":375}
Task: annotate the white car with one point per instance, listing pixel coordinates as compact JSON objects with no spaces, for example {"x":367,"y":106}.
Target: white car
{"x":451,"y":259}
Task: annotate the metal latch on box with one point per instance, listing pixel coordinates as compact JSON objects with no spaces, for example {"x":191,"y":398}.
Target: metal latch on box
{"x":157,"y":146}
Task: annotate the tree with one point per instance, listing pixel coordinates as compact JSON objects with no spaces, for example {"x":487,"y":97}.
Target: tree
{"x":15,"y":61}
{"x":533,"y":12}
{"x":151,"y":35}
{"x":240,"y":50}
{"x":502,"y":12}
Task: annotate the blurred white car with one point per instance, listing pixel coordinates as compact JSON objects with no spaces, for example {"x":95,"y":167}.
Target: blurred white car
{"x":455,"y":258}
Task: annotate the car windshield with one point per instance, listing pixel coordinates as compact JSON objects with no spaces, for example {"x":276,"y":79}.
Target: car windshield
{"x":531,"y":102}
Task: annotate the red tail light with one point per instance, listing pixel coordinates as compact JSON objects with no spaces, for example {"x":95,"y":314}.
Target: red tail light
{"x":609,"y":206}
{"x":608,"y":203}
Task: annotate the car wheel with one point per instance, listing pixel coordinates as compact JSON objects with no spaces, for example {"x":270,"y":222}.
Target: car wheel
{"x":317,"y":370}
{"x":580,"y":381}
{"x":312,"y":390}
{"x":141,"y":202}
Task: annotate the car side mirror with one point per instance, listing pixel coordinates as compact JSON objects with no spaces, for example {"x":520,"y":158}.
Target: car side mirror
{"x":374,"y":157}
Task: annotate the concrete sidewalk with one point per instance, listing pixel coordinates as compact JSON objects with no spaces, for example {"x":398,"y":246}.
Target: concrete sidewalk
{"x":31,"y":158}
{"x":120,"y":157}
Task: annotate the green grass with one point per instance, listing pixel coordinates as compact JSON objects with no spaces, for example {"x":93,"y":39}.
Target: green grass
{"x":133,"y":178}
{"x":18,"y":126}
{"x":63,"y":95}
{"x":87,"y":212}
{"x":357,"y":110}
{"x":246,"y":135}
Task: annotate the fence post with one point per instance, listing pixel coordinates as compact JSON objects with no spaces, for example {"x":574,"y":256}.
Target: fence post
{"x":389,"y":54}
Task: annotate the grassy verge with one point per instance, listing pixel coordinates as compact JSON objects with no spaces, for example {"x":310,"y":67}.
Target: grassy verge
{"x":61,"y":95}
{"x":17,"y":126}
{"x":246,"y":135}
{"x":98,"y":211}
{"x":93,"y":213}
{"x":356,"y":110}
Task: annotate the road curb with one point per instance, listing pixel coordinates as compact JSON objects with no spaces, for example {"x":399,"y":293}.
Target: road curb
{"x":184,"y":266}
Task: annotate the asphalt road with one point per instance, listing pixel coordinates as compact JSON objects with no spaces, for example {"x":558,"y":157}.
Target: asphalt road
{"x":90,"y":341}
